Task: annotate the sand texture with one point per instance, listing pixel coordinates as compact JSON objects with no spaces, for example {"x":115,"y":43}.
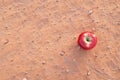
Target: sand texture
{"x":38,"y":39}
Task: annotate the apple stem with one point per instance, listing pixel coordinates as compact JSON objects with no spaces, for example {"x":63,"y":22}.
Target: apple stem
{"x":88,"y":39}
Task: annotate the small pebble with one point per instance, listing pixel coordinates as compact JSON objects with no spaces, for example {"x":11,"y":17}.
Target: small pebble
{"x":90,"y":11}
{"x":25,"y":79}
{"x":62,"y":53}
{"x":75,"y":37}
{"x":63,"y":67}
{"x":88,"y":73}
{"x":118,"y":23}
{"x":95,"y":55}
{"x":67,"y":70}
{"x":74,"y":60}
{"x":57,"y":0}
{"x":47,"y":48}
{"x":108,"y":47}
{"x":93,"y":29}
{"x":43,"y":62}
{"x":26,"y":73}
{"x":5,"y":41}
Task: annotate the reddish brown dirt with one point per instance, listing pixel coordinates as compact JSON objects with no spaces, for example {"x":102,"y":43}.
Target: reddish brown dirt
{"x":38,"y":39}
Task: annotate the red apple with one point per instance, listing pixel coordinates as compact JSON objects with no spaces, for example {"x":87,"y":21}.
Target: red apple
{"x":87,"y":40}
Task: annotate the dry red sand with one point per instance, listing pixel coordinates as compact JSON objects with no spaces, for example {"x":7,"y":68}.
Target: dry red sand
{"x":38,"y":39}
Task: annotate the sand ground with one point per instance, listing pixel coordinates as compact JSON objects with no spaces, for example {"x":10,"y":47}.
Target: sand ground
{"x":38,"y":39}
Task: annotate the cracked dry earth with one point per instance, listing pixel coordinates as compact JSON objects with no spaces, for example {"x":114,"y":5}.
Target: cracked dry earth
{"x":38,"y":39}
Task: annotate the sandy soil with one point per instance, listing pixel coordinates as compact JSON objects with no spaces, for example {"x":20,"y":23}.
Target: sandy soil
{"x":38,"y":39}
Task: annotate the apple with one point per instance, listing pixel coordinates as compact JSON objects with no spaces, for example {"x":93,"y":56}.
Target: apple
{"x":87,"y":40}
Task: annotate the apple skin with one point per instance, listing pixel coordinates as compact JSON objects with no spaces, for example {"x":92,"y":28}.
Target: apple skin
{"x":87,"y":40}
